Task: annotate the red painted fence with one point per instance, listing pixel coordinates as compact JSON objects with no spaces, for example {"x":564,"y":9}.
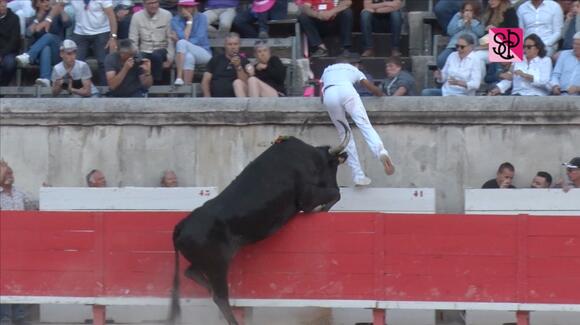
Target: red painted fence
{"x":327,"y":256}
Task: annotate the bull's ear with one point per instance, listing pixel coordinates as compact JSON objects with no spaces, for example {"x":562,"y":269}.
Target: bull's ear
{"x":342,"y":157}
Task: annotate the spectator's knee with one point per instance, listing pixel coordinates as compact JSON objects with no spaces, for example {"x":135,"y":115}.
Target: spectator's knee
{"x":253,"y":81}
{"x":366,"y":16}
{"x":181,"y":46}
{"x":347,"y":13}
{"x":238,"y":83}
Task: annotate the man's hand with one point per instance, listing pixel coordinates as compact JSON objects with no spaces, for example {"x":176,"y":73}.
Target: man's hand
{"x":111,"y":45}
{"x":573,"y":90}
{"x":506,"y":75}
{"x":325,"y":15}
{"x":505,"y":184}
{"x":261,"y":66}
{"x":556,"y":90}
{"x":236,"y":61}
{"x":494,"y":92}
{"x":129,"y":64}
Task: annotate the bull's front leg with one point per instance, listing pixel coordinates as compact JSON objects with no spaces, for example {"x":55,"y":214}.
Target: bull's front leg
{"x":314,"y":198}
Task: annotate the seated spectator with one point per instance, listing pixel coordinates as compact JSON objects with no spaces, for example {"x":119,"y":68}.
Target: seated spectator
{"x":571,"y":25}
{"x":169,"y":179}
{"x":323,"y":17}
{"x":10,"y":44}
{"x":128,"y":74}
{"x":360,"y":88}
{"x":573,"y":173}
{"x":445,"y":10}
{"x":398,"y":82}
{"x":504,"y":177}
{"x":190,"y":27}
{"x":222,"y":13}
{"x":260,"y":12}
{"x":151,"y":32}
{"x":462,"y":73}
{"x":95,"y":29}
{"x":543,"y":18}
{"x":463,"y":22}
{"x":24,"y":10}
{"x":531,"y":76}
{"x":566,"y":75}
{"x":381,"y":12}
{"x":124,"y":14}
{"x":542,"y":180}
{"x":223,"y":69}
{"x":169,"y":5}
{"x":96,"y":178}
{"x":266,"y":77}
{"x":44,"y":49}
{"x":72,"y":75}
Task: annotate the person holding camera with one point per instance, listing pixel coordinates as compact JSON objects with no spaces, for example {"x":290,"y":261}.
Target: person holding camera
{"x":224,"y":69}
{"x":128,"y":74}
{"x":71,"y":75}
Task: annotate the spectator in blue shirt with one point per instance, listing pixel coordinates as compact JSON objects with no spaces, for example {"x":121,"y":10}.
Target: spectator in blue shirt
{"x":46,"y":30}
{"x":565,"y":78}
{"x":193,"y":45}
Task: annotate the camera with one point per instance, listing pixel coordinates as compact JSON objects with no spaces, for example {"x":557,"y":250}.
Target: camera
{"x":138,"y":59}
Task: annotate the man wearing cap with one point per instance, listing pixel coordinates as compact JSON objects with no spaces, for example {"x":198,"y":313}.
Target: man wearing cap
{"x":573,"y":173}
{"x":95,"y":29}
{"x":128,"y":74}
{"x":261,"y":11}
{"x":340,"y":97}
{"x":151,"y":32}
{"x":221,"y":12}
{"x":72,"y":75}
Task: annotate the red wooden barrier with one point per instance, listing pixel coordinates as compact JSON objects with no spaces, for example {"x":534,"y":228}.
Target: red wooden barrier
{"x":389,"y":260}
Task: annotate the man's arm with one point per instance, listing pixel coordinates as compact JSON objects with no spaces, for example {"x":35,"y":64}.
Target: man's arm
{"x":85,"y":91}
{"x":401,"y":91}
{"x":112,"y":43}
{"x":205,"y":81}
{"x":371,"y":87}
{"x":56,"y":87}
{"x":383,"y":7}
{"x":115,"y":79}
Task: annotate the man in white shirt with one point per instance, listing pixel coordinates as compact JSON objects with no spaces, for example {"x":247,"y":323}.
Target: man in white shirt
{"x":543,"y":18}
{"x":340,"y":97}
{"x":72,"y":75}
{"x":95,"y":28}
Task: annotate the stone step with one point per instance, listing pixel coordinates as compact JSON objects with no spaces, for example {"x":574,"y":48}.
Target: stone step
{"x":382,"y":44}
{"x":375,"y":66}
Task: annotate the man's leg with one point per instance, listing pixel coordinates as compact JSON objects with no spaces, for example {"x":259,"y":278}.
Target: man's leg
{"x":99,"y":43}
{"x":243,"y":23}
{"x":212,"y":17}
{"x":157,"y":58}
{"x":444,"y":11}
{"x":309,"y":27}
{"x":396,"y":23}
{"x":345,"y":21}
{"x":431,"y":92}
{"x":226,"y":20}
{"x":7,"y":69}
{"x":83,"y":44}
{"x":366,"y":27}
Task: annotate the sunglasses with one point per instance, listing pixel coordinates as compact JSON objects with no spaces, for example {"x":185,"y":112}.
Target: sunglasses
{"x":461,"y":46}
{"x":529,"y":46}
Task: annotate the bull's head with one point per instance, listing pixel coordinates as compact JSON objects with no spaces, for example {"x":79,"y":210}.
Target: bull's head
{"x":334,"y":151}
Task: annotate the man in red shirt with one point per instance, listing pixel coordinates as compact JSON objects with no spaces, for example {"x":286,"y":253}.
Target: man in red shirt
{"x":325,"y":17}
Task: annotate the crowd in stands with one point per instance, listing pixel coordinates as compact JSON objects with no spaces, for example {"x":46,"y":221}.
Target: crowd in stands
{"x":162,"y":34}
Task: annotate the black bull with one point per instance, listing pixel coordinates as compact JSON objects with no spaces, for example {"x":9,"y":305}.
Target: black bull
{"x":289,"y":177}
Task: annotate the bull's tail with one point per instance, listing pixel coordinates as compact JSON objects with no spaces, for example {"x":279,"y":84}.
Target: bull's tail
{"x":175,"y":309}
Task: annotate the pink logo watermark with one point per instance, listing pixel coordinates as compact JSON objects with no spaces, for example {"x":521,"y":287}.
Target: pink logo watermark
{"x":506,"y":45}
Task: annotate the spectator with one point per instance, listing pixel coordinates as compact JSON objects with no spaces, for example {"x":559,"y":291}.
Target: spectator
{"x":542,"y":180}
{"x":381,"y":12}
{"x":266,"y":77}
{"x":193,"y":46}
{"x":360,"y":88}
{"x":221,"y":12}
{"x":531,"y":76}
{"x":44,"y":49}
{"x":445,"y":10}
{"x":124,"y":14}
{"x":169,"y":5}
{"x":573,"y":173}
{"x":12,"y":198}
{"x":566,"y":75}
{"x":96,"y":178}
{"x":398,"y":82}
{"x":571,"y":26}
{"x":23,"y":9}
{"x":71,"y":74}
{"x":339,"y":97}
{"x":151,"y":32}
{"x":543,"y":18}
{"x":95,"y":28}
{"x":128,"y":75}
{"x":260,"y":12}
{"x":169,"y":179}
{"x":223,"y":69}
{"x":463,"y":22}
{"x":322,"y":16}
{"x":462,"y":73}
{"x":504,"y":177}
{"x":10,"y":45}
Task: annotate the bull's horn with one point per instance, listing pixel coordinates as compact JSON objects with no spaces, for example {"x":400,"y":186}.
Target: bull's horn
{"x":340,"y":148}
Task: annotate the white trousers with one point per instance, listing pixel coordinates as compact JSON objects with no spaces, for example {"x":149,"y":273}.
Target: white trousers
{"x":339,"y":100}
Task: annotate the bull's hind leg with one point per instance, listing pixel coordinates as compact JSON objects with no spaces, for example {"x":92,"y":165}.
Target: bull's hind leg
{"x":197,"y":276}
{"x":314,"y":198}
{"x":219,"y":282}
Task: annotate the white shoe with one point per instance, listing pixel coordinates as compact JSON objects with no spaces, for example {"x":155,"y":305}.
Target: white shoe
{"x":23,"y":59}
{"x":43,"y":82}
{"x":362,"y":181}
{"x":178,"y":82}
{"x":387,"y":163}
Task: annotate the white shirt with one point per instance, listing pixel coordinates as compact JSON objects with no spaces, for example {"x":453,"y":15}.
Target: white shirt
{"x":546,"y":21}
{"x":91,"y":20}
{"x":341,"y":74}
{"x":566,"y":73}
{"x":540,"y":68}
{"x":79,"y":71}
{"x":16,"y":201}
{"x":468,"y":70}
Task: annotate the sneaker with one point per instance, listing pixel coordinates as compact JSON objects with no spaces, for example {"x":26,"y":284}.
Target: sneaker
{"x":320,"y":52}
{"x":23,"y":59}
{"x":263,"y":35}
{"x":348,"y":54}
{"x":387,"y":163}
{"x":368,"y":53}
{"x":178,"y":82}
{"x":362,"y":181}
{"x":43,"y":82}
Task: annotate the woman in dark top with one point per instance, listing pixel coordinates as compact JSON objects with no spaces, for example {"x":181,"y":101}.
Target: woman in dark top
{"x":267,"y":75}
{"x":500,"y":14}
{"x":46,"y":32}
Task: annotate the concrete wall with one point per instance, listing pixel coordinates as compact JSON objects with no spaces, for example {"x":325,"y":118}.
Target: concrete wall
{"x":446,"y":143}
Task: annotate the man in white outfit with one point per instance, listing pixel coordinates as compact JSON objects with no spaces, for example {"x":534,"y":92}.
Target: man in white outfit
{"x":340,"y":96}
